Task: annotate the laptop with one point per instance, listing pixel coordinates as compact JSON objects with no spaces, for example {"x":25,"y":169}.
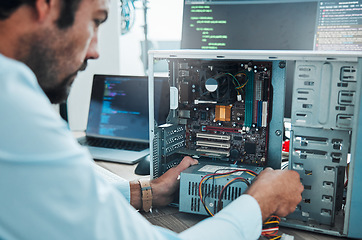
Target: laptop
{"x":118,"y":124}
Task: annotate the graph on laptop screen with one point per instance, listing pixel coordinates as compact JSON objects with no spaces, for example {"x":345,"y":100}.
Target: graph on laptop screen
{"x":273,"y":25}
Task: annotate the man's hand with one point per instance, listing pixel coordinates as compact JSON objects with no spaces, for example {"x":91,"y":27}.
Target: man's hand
{"x":164,"y":187}
{"x":277,"y":192}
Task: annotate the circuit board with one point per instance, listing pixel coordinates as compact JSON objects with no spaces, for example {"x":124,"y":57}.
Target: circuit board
{"x":224,"y":106}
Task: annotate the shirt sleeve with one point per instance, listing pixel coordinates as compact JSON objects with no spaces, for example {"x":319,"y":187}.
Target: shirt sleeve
{"x":50,"y":189}
{"x":241,"y":219}
{"x":121,"y":184}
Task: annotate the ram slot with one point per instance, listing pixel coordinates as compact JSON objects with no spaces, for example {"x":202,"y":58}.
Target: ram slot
{"x":266,"y":88}
{"x":259,"y":89}
{"x":264,"y":120}
{"x":249,"y":97}
{"x":260,"y":113}
{"x":257,"y":97}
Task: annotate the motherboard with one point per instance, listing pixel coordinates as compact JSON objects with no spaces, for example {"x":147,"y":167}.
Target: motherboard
{"x":224,"y":106}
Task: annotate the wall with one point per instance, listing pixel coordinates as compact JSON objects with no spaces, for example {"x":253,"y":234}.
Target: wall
{"x":164,"y":18}
{"x":108,"y":63}
{"x":122,"y":54}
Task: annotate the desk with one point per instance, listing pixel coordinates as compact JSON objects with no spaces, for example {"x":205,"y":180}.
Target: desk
{"x":171,"y":218}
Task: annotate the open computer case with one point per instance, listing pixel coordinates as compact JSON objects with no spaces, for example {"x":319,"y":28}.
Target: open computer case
{"x":227,"y":110}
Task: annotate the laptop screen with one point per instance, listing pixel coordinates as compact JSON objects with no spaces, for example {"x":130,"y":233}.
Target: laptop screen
{"x":119,"y":106}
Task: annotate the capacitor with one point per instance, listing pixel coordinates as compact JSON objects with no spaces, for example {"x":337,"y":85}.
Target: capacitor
{"x":234,"y":154}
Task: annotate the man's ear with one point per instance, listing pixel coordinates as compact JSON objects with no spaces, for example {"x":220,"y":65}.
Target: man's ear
{"x":43,"y":9}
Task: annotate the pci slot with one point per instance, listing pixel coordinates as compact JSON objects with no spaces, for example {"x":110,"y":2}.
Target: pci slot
{"x":214,"y":152}
{"x":213,"y":144}
{"x":213,"y":136}
{"x":223,"y":129}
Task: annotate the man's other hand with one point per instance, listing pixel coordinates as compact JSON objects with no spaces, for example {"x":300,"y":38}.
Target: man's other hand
{"x":277,"y":192}
{"x":164,"y":187}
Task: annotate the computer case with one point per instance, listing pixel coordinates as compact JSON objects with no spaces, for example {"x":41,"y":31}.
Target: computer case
{"x":227,"y":110}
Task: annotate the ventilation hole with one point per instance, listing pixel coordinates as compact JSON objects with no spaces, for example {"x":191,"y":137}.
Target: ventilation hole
{"x":307,"y":105}
{"x":307,"y":201}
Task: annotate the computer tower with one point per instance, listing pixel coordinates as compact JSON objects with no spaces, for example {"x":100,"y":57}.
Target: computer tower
{"x":227,"y":110}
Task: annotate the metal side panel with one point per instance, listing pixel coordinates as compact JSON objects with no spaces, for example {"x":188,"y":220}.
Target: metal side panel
{"x":320,"y":157}
{"x":354,"y":194}
{"x":324,"y":94}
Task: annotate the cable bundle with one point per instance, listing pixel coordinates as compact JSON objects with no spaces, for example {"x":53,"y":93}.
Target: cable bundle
{"x":271,"y":228}
{"x":216,"y":175}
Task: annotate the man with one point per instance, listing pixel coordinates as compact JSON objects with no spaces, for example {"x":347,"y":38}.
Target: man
{"x":48,"y":186}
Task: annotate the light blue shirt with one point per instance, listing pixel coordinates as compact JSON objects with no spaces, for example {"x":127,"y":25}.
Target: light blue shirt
{"x":50,"y":190}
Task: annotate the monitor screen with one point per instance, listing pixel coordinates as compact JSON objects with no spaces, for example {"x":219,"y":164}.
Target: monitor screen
{"x":249,"y":25}
{"x":273,"y":25}
{"x":338,"y":26}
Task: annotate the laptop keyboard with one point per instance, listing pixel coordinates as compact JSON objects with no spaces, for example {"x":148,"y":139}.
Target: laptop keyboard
{"x":115,"y":144}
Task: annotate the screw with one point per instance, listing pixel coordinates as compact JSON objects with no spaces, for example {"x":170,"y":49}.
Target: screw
{"x":282,"y":64}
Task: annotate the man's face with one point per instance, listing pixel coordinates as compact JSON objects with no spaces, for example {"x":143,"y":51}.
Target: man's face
{"x":56,"y":55}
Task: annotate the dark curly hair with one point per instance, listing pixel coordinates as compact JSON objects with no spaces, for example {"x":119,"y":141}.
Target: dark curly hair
{"x":67,"y":12}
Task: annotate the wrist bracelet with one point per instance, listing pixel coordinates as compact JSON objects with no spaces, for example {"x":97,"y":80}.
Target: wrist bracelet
{"x":146,"y":194}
